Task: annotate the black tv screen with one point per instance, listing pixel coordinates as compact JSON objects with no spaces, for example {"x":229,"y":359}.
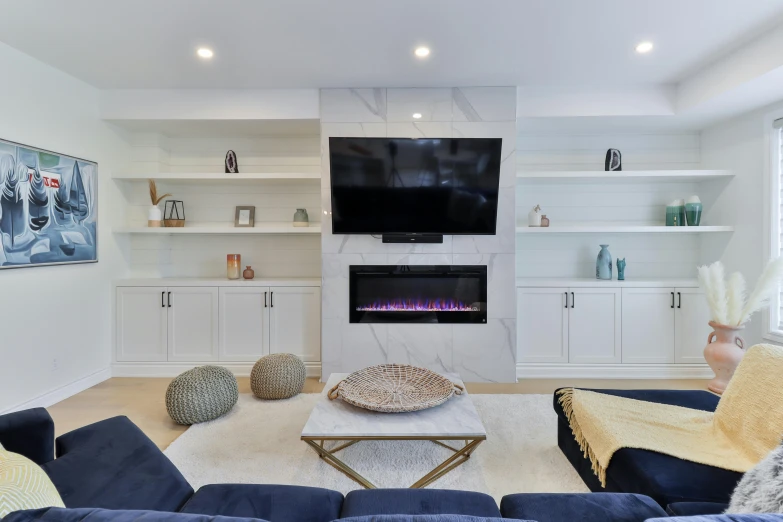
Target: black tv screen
{"x":427,"y":185}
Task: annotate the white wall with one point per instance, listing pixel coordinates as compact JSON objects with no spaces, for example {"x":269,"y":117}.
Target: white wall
{"x":740,"y":144}
{"x":55,"y":322}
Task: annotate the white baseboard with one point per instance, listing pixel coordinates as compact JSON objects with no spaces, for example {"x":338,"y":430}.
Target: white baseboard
{"x":63,"y":392}
{"x":613,"y":371}
{"x":172,"y":369}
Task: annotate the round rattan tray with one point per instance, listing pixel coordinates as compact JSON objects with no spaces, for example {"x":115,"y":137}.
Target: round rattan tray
{"x":395,"y":388}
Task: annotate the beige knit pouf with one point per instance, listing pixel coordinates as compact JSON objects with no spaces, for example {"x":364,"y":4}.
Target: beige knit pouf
{"x":201,"y":394}
{"x":278,"y":376}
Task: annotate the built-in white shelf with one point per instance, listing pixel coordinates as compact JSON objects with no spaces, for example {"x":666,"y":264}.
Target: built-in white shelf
{"x":209,"y":176}
{"x":260,"y":228}
{"x":584,"y":282}
{"x":621,"y":229}
{"x":626,"y":176}
{"x":216,"y":281}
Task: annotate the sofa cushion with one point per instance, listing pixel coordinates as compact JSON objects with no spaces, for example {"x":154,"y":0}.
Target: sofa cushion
{"x":687,"y":509}
{"x":750,"y":517}
{"x":426,"y":518}
{"x":418,"y":502}
{"x":665,"y":478}
{"x":24,"y":485}
{"x":271,"y":502}
{"x":106,"y":515}
{"x":29,"y":433}
{"x":589,"y":507}
{"x":111,"y":464}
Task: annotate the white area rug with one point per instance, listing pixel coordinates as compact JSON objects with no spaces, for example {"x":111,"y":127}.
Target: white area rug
{"x":258,"y":442}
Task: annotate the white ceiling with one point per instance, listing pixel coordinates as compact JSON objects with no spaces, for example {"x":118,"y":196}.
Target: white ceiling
{"x":339,"y":43}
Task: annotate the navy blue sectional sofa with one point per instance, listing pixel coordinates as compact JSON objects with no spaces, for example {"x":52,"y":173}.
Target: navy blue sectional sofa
{"x":110,"y":471}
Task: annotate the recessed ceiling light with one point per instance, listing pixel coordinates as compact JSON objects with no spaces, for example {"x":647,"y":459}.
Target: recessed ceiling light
{"x":644,"y":47}
{"x":205,"y":52}
{"x":416,"y":115}
{"x":422,"y":52}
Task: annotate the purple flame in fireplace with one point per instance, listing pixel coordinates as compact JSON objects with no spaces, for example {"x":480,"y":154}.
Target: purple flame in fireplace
{"x":417,"y":305}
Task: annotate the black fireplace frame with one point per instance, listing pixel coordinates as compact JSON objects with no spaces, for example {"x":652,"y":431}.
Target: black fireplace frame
{"x":476,"y":316}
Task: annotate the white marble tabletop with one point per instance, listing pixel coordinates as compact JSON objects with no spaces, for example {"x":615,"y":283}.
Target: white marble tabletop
{"x":457,"y":417}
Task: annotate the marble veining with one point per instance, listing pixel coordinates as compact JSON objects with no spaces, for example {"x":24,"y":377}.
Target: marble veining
{"x":478,"y":352}
{"x":457,"y":417}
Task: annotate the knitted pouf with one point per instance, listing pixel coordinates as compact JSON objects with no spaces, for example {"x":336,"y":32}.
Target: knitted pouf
{"x":277,"y":376}
{"x":201,"y":394}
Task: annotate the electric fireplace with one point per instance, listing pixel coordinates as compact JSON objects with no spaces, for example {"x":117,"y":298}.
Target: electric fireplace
{"x":418,"y":294}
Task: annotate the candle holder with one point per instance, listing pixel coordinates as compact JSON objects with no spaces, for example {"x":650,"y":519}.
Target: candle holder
{"x":233,"y":262}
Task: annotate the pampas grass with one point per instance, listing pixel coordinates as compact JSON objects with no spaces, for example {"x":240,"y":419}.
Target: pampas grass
{"x":154,"y":193}
{"x":727,"y":301}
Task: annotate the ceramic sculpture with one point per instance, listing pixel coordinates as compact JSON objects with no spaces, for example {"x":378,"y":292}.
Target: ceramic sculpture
{"x":614,"y":161}
{"x":603,"y":265}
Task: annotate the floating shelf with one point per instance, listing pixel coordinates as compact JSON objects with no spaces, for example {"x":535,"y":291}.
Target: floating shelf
{"x":206,"y":176}
{"x":626,"y":176}
{"x":622,"y":229}
{"x":260,"y":228}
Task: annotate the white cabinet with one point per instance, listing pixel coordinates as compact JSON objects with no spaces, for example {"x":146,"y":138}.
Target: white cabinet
{"x":193,"y":323}
{"x":142,"y":324}
{"x":244,"y":323}
{"x":199,"y":324}
{"x":648,"y":325}
{"x":691,"y":329}
{"x":594,"y":325}
{"x":542,"y":327}
{"x":561,"y":325}
{"x":295,"y":321}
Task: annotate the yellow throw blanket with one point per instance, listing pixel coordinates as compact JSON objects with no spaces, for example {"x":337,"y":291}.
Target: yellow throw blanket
{"x":745,"y":427}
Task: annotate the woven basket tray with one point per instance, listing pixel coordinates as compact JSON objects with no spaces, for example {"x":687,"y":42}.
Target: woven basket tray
{"x":395,"y":388}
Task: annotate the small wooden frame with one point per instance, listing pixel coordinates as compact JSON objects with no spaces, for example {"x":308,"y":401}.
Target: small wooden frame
{"x":245,"y":216}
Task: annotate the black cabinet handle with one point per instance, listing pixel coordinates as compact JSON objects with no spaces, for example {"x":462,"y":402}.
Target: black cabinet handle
{"x":566,"y":294}
{"x":573,"y":301}
{"x":679,"y":299}
{"x":264,"y":299}
{"x":271,"y":299}
{"x":162,"y":304}
{"x":169,"y":299}
{"x":672,"y":299}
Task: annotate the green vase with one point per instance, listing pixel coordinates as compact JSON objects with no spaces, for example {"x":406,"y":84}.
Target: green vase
{"x":693,"y":214}
{"x":675,"y":216}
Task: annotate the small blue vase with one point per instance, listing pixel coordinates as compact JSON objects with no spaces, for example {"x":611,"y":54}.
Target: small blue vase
{"x":603,"y":265}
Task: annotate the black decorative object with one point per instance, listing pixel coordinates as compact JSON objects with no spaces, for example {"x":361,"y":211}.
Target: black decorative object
{"x":614,"y":161}
{"x":231,"y":163}
{"x":174,"y":213}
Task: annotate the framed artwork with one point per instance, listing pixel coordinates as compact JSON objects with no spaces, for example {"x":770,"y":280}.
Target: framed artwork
{"x":48,"y":207}
{"x":245,"y":217}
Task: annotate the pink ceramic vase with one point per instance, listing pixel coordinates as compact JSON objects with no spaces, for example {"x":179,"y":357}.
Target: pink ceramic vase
{"x":724,"y":351}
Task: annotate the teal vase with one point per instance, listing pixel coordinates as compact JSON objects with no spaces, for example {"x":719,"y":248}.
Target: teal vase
{"x":603,"y":265}
{"x":693,"y":214}
{"x":675,"y":215}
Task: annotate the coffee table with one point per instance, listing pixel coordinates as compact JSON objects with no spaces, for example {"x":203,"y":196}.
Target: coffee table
{"x":334,"y":425}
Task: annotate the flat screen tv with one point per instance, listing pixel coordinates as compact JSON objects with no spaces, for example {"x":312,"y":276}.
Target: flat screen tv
{"x":414,"y":186}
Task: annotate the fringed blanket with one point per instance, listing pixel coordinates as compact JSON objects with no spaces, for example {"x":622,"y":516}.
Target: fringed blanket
{"x":747,"y":424}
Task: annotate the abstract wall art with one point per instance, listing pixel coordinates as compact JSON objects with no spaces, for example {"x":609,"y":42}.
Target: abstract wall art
{"x":48,"y":207}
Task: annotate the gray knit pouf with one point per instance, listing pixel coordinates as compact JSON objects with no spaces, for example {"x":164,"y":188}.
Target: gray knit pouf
{"x":278,"y":376}
{"x":201,"y":394}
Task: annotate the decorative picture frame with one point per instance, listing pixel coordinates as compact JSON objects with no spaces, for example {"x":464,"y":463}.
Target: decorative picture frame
{"x":245,"y":216}
{"x":48,"y":207}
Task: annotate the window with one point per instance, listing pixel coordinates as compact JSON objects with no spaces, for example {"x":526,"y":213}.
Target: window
{"x":774,"y":327}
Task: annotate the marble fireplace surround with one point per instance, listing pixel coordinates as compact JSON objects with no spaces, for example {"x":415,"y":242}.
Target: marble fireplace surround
{"x":478,"y":352}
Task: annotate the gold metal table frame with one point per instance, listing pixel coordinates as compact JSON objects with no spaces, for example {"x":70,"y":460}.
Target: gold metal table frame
{"x":461,"y":455}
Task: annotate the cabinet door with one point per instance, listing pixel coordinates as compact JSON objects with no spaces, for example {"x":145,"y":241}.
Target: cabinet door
{"x":648,"y":325}
{"x":193,"y":323}
{"x":542,"y":325}
{"x":295,"y":321}
{"x":594,"y":325}
{"x":244,"y":323}
{"x":690,"y":326}
{"x":141,"y":324}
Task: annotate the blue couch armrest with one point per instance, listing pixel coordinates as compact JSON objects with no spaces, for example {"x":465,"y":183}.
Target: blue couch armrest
{"x":108,"y":515}
{"x":29,"y":433}
{"x":427,"y":518}
{"x":749,"y":517}
{"x":687,"y":509}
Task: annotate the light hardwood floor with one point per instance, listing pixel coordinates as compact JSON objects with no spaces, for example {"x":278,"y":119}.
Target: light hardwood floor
{"x":143,"y":400}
